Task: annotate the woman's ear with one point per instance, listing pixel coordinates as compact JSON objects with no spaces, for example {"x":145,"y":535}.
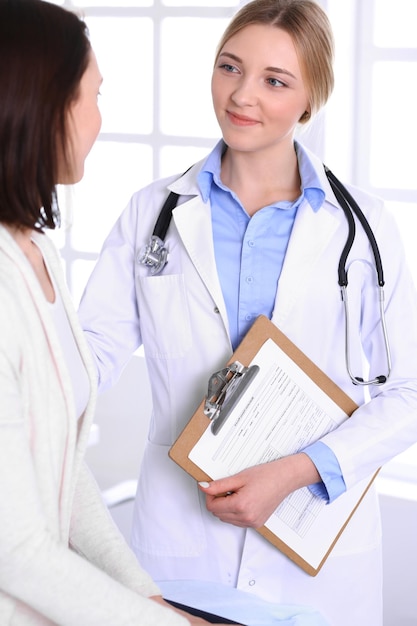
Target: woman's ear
{"x":305,"y":117}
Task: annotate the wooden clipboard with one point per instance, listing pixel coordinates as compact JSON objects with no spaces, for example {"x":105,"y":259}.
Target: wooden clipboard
{"x":260,"y":332}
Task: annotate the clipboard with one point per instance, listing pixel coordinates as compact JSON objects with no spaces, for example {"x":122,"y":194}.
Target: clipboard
{"x":261,"y":331}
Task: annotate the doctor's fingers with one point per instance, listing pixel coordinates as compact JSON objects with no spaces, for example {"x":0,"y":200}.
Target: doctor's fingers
{"x":235,"y":509}
{"x":223,"y":486}
{"x":237,"y":519}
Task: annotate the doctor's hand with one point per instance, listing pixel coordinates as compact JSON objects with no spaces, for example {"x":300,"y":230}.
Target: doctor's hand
{"x":249,"y":498}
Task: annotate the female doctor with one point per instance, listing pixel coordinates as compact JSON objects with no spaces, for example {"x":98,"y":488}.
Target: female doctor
{"x":259,"y":230}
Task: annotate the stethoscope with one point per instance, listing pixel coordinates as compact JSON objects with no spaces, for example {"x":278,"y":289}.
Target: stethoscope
{"x":155,"y":256}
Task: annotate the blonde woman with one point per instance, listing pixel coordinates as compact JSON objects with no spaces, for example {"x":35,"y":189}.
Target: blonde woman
{"x":258,"y":230}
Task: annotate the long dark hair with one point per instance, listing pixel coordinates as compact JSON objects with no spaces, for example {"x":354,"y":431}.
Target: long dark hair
{"x":44,"y":52}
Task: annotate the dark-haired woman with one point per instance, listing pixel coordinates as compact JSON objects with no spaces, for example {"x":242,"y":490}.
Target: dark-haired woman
{"x":62,"y":560}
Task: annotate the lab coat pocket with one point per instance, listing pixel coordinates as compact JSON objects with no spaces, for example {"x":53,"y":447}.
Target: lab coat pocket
{"x":166,"y":497}
{"x":164,"y":315}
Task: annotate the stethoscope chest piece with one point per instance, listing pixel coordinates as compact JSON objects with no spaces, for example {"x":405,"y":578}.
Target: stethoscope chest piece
{"x":154,"y":255}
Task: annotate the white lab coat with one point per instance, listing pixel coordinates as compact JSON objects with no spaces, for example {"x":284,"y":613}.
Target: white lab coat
{"x":180,"y":317}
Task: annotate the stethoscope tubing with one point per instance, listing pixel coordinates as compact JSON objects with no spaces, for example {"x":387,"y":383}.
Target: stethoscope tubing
{"x":349,"y":204}
{"x":357,"y":380}
{"x":350,"y":208}
{"x":155,"y":256}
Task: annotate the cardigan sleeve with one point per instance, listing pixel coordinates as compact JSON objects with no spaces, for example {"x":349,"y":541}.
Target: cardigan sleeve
{"x":49,"y":578}
{"x":40,"y":575}
{"x":94,"y":534}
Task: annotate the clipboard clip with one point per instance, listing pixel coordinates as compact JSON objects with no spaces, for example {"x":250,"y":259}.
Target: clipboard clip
{"x":225,"y":388}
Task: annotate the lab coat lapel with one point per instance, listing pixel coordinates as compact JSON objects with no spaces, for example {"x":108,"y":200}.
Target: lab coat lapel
{"x":193,"y":221}
{"x":312,"y":232}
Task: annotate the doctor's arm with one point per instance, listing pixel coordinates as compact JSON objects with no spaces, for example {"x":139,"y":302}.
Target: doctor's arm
{"x":376,"y":432}
{"x":109,"y":317}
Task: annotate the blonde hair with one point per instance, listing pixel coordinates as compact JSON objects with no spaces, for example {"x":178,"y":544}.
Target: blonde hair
{"x":310,"y":29}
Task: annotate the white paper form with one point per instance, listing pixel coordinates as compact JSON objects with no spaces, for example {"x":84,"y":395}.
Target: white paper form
{"x":280,"y":413}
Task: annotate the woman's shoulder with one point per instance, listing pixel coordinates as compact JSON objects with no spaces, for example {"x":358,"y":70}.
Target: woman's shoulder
{"x":180,"y":182}
{"x":147,"y":202}
{"x":10,"y":269}
{"x":11,"y":305}
{"x":18,"y":283}
{"x":366,"y":200}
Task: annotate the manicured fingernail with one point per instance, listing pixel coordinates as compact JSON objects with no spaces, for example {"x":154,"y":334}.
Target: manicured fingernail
{"x":204,"y":484}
